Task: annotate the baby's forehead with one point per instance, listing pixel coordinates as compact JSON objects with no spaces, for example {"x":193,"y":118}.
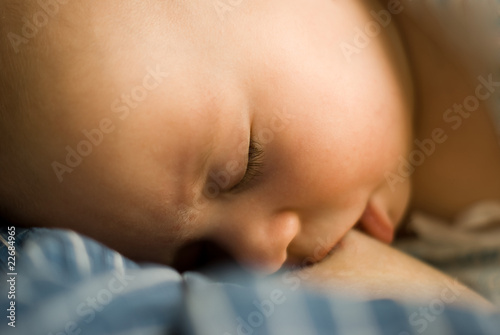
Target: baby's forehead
{"x":103,"y":48}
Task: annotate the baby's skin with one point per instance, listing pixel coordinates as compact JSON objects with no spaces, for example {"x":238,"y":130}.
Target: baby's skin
{"x":161,"y":125}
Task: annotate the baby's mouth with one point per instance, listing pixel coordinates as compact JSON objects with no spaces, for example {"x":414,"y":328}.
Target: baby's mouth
{"x":373,"y":221}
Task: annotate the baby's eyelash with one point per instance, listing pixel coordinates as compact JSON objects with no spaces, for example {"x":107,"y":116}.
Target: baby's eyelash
{"x":254,"y":165}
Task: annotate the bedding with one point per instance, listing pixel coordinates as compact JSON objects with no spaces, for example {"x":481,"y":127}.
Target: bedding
{"x":467,"y":249}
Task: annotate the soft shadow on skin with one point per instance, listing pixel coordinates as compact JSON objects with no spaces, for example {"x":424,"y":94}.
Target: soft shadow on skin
{"x":364,"y":268}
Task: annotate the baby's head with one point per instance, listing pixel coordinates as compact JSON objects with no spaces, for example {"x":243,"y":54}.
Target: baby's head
{"x":133,"y":122}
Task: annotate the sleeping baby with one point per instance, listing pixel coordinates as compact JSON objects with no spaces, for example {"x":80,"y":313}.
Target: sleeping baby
{"x":280,"y":134}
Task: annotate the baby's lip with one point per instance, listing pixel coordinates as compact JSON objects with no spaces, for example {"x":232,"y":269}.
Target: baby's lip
{"x":377,"y":223}
{"x":373,"y":221}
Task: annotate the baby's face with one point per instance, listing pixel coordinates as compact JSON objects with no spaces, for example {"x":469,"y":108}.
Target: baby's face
{"x":182,"y":91}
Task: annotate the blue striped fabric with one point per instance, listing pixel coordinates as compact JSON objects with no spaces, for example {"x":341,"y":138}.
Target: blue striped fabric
{"x":69,"y":284}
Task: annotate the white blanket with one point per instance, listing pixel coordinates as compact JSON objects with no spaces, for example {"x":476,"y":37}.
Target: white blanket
{"x":468,"y":249}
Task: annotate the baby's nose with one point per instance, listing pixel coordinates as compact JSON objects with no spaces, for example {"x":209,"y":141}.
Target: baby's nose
{"x":260,"y":244}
